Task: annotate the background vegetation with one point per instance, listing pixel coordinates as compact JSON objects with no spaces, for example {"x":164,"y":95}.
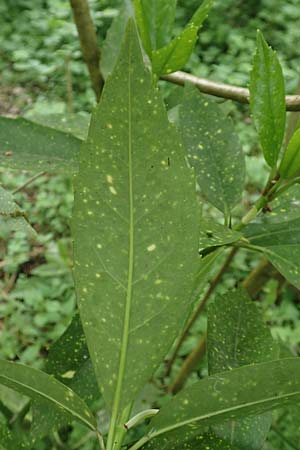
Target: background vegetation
{"x":41,"y":73}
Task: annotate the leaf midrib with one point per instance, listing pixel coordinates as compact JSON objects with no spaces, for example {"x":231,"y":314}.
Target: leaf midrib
{"x":125,"y":334}
{"x":183,"y":423}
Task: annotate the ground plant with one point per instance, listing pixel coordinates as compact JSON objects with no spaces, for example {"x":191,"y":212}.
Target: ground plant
{"x":158,"y":175}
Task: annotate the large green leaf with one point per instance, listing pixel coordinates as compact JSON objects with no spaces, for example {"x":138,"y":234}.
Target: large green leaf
{"x":284,"y":208}
{"x":42,"y":387}
{"x":213,"y":149}
{"x":237,"y":336}
{"x":155,"y":19}
{"x":238,"y":393}
{"x":267,"y":100}
{"x":280,"y":243}
{"x":135,"y":224}
{"x":30,"y":146}
{"x":112,"y":44}
{"x":175,"y":55}
{"x":12,"y":215}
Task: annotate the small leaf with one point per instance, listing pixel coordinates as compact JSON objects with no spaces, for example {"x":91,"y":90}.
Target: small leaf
{"x":280,"y":243}
{"x":290,"y":164}
{"x":29,"y":146}
{"x":42,"y":387}
{"x":237,"y":336}
{"x":135,"y":224}
{"x":155,"y":19}
{"x":112,"y":44}
{"x":12,"y":215}
{"x":249,"y":390}
{"x":267,"y":100}
{"x":175,"y":55}
{"x":213,"y":149}
{"x":213,"y":234}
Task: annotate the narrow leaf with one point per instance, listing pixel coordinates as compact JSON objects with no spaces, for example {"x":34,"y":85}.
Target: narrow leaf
{"x":267,"y":100}
{"x":241,"y":392}
{"x":12,"y":215}
{"x":290,"y":164}
{"x":237,"y":336}
{"x":112,"y":44}
{"x":280,"y":242}
{"x":26,"y":145}
{"x":213,"y":149}
{"x":176,"y":54}
{"x":135,"y":224}
{"x":158,"y":17}
{"x":40,"y":386}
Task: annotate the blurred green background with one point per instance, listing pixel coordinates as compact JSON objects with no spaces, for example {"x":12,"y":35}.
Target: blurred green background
{"x":39,"y":58}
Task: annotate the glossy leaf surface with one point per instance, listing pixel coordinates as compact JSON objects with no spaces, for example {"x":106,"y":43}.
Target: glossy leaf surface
{"x":42,"y":387}
{"x":228,"y":395}
{"x":267,"y":100}
{"x":27,"y":145}
{"x":135,"y":224}
{"x":213,"y":149}
{"x":237,"y":336}
{"x":280,"y":243}
{"x":290,"y":165}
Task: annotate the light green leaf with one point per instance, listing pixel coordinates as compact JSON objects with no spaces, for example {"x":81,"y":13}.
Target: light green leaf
{"x":155,"y":20}
{"x":26,"y":145}
{"x":112,"y":44}
{"x":237,"y":336}
{"x":12,"y":215}
{"x":267,"y":100}
{"x":285,"y":207}
{"x":213,"y":149}
{"x":238,"y":393}
{"x":175,"y":55}
{"x":71,"y":123}
{"x":213,"y":234}
{"x":135,"y":224}
{"x":290,"y":164}
{"x":42,"y":387}
{"x":280,"y":243}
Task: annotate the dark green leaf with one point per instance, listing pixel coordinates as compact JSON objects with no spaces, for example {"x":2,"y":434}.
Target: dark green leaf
{"x":213,"y":149}
{"x":26,"y":145}
{"x":12,"y":214}
{"x":280,"y":243}
{"x":45,"y":389}
{"x":237,"y":337}
{"x":112,"y":44}
{"x":229,"y":395}
{"x":285,"y":207}
{"x":135,"y":224}
{"x":267,"y":100}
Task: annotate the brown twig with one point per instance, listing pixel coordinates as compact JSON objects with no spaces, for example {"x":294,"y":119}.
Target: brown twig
{"x":35,"y":177}
{"x":88,"y":41}
{"x":223,"y":90}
